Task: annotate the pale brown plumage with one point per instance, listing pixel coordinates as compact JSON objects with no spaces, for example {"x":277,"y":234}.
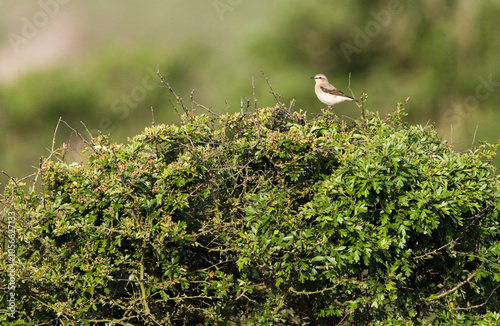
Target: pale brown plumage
{"x":327,"y":93}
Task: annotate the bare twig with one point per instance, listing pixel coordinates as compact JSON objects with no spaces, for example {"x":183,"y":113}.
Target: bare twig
{"x":474,"y":138}
{"x":292,"y":105}
{"x":453,"y":289}
{"x":152,"y":116}
{"x":16,"y":182}
{"x":52,"y":150}
{"x":430,"y":253}
{"x":191,"y":97}
{"x":354,"y":97}
{"x":87,"y":129}
{"x":343,"y":318}
{"x":79,"y":135}
{"x":55,"y":132}
{"x":481,"y":304}
{"x":195,"y":152}
{"x":177,"y":97}
{"x":38,"y":173}
{"x":276,"y":96}
{"x":206,"y":109}
{"x":42,"y":163}
{"x":291,"y":289}
{"x":177,"y":112}
{"x":349,"y":87}
{"x":202,"y":106}
{"x":254,"y":97}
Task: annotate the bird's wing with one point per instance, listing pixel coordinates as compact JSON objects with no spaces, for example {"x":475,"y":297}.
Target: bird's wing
{"x":332,"y":90}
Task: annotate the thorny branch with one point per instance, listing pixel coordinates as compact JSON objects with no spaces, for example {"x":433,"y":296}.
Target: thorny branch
{"x":276,"y":96}
{"x":177,"y":97}
{"x":453,"y":289}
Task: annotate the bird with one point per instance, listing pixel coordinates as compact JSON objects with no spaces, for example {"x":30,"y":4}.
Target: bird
{"x":327,"y":93}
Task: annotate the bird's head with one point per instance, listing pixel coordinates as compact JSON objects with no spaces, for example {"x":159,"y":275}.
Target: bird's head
{"x":320,"y":78}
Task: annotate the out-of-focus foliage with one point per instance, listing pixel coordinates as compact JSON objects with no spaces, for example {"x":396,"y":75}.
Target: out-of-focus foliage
{"x":436,"y":52}
{"x":112,"y":95}
{"x":263,"y":217}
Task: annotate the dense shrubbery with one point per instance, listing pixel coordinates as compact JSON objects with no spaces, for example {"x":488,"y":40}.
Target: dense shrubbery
{"x":263,"y":218}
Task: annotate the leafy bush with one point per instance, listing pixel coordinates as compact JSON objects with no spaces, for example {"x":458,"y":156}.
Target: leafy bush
{"x":263,"y":218}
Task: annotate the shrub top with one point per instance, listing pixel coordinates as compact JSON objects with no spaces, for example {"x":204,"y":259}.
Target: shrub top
{"x":265,"y":217}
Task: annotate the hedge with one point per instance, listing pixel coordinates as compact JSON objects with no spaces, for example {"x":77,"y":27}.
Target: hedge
{"x":261,"y":217}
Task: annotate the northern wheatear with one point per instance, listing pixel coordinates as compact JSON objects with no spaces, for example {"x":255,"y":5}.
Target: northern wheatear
{"x":327,"y":93}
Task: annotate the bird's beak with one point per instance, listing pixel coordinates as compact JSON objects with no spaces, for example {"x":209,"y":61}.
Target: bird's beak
{"x":312,"y":77}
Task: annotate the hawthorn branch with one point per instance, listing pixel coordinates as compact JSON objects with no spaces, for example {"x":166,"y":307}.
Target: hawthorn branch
{"x":430,"y":253}
{"x":276,"y":96}
{"x":481,"y":304}
{"x":87,"y":129}
{"x":85,"y":141}
{"x":355,"y":100}
{"x":203,"y":106}
{"x":152,"y":116}
{"x":254,"y":97}
{"x":478,"y":257}
{"x":291,"y":289}
{"x":177,"y":97}
{"x":474,"y":138}
{"x":42,"y":163}
{"x":453,"y":289}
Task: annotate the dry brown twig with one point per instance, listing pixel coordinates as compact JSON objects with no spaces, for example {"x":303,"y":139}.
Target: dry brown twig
{"x":276,"y":96}
{"x":201,"y":106}
{"x":177,"y":97}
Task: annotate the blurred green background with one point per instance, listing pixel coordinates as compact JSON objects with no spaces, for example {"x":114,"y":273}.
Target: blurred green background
{"x":95,"y":62}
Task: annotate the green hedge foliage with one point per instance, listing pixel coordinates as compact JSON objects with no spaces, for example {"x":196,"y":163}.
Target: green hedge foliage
{"x":262,"y":217}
